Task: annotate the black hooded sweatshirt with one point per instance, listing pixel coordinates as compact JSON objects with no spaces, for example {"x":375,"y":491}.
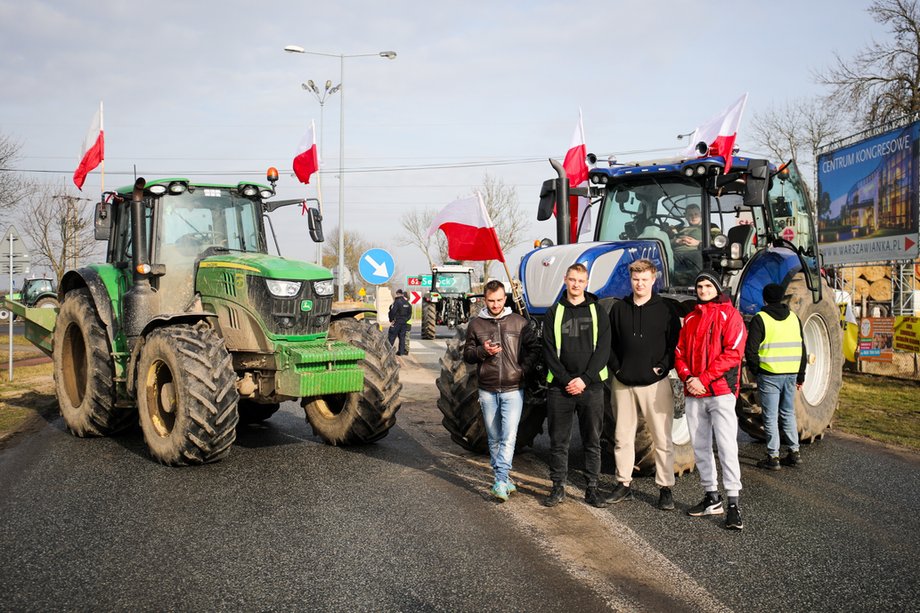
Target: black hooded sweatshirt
{"x":778,"y":311}
{"x":642,"y":338}
{"x":579,"y":357}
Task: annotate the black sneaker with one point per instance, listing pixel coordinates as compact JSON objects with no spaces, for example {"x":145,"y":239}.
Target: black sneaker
{"x":733,"y":518}
{"x":594,"y":498}
{"x":771,"y":462}
{"x":665,"y":499}
{"x":710,"y":505}
{"x":620,"y":493}
{"x":792,"y":459}
{"x":556,"y":496}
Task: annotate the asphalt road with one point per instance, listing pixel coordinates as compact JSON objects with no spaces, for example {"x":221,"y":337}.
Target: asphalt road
{"x":288,"y":523}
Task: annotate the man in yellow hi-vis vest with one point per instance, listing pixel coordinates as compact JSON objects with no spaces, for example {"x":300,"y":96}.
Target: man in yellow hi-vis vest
{"x":775,"y":355}
{"x":576,"y":346}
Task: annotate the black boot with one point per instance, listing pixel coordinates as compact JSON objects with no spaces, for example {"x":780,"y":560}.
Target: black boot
{"x":556,"y":496}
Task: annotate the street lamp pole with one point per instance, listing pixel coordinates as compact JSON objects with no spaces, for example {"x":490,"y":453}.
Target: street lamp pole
{"x":328,"y":90}
{"x":384,"y":54}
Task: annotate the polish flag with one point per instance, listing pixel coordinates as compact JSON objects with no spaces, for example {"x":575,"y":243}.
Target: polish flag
{"x":576,"y":169}
{"x":719,"y":133}
{"x":469,"y":230}
{"x":93,"y":150}
{"x":306,"y":162}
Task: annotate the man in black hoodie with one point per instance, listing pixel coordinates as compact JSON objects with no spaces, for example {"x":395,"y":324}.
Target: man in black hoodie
{"x":643,"y":331}
{"x":775,"y":355}
{"x":576,"y":346}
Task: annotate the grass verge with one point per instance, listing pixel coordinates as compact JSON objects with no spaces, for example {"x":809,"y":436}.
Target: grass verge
{"x":880,"y":408}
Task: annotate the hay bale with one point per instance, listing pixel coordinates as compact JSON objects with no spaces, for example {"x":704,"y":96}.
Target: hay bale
{"x":880,"y":290}
{"x":875,"y":273}
{"x":862,"y":289}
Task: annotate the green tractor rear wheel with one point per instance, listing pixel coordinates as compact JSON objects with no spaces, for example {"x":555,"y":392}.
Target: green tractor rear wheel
{"x":187,"y":398}
{"x":368,"y":415}
{"x":429,"y":320}
{"x":84,"y":371}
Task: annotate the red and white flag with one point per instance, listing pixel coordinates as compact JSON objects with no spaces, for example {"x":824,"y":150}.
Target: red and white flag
{"x":719,"y":133}
{"x":469,"y":230}
{"x":93,"y":150}
{"x":576,"y":169}
{"x":306,"y":161}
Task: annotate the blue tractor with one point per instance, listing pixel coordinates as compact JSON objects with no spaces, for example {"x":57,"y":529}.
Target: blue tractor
{"x":755,"y":225}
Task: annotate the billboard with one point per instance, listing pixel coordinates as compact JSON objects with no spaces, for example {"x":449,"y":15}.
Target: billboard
{"x":868,"y":198}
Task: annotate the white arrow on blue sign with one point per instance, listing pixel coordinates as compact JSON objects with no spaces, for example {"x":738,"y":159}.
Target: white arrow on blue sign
{"x":376,"y":266}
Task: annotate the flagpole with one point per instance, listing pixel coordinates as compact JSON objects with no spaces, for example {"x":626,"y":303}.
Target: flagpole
{"x":102,"y":129}
{"x":319,"y":181}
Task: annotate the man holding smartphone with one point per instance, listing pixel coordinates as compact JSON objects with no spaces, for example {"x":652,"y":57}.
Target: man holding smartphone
{"x":504,"y":348}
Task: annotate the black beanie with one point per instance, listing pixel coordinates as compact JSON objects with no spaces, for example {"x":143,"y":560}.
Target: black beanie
{"x":711,"y":278}
{"x":773,"y":293}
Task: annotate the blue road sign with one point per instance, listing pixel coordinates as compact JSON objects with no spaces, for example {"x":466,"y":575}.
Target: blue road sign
{"x":376,"y":266}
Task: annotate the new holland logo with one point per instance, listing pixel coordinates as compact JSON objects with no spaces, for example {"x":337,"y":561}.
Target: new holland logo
{"x":306,"y":305}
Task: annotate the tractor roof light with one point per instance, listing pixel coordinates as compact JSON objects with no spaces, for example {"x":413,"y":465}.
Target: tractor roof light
{"x":266,"y":193}
{"x":177,"y":187}
{"x":249,"y":190}
{"x":700,"y":170}
{"x":157,"y":190}
{"x":688,"y":171}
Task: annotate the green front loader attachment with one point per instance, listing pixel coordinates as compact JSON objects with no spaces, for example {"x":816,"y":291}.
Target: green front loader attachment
{"x":39,"y":323}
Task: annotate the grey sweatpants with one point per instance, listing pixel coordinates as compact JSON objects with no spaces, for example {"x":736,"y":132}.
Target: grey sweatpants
{"x":715,"y":415}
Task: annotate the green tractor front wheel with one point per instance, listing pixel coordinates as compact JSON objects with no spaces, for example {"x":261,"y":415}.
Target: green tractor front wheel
{"x":368,"y":415}
{"x":186,"y":395}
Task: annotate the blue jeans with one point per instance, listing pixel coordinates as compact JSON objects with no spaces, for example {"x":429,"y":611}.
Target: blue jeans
{"x":501,"y":412}
{"x":777,"y":399}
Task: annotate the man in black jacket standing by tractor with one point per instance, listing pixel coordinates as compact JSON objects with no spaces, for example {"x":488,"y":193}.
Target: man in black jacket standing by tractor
{"x":643,"y":330}
{"x":576,"y":346}
{"x":400,"y":313}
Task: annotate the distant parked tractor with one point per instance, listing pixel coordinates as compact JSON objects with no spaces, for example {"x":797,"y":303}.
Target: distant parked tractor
{"x":451,"y":301}
{"x":191,"y":326}
{"x":38,"y":293}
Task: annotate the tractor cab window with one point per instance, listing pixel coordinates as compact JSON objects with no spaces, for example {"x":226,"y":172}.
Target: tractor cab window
{"x":192,"y":222}
{"x":35,"y":287}
{"x":664,"y":209}
{"x":790,"y":218}
{"x":451,"y":283}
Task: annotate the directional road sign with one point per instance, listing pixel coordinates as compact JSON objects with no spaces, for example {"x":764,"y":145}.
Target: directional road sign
{"x":376,"y":266}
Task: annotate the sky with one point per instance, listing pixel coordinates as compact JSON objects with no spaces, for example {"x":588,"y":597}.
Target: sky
{"x":204,"y":90}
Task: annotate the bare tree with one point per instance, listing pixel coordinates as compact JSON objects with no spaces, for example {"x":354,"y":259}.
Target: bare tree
{"x":355,"y":245}
{"x":796,"y":131}
{"x":882,"y":82}
{"x":504,"y":208}
{"x":58,"y":228}
{"x":416,"y":224}
{"x":12,"y":186}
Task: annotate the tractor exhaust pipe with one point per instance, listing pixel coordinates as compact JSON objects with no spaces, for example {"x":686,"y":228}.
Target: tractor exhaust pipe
{"x":562,"y":204}
{"x":141,"y":302}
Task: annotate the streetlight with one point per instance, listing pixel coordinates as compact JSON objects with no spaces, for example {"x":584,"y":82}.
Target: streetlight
{"x":328,"y":90}
{"x":384,"y":54}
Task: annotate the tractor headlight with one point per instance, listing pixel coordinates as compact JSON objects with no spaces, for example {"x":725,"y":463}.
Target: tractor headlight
{"x":323,"y":288}
{"x":283,"y":289}
{"x":720,"y":241}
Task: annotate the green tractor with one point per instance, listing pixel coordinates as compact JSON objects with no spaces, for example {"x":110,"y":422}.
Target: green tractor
{"x":37,"y":292}
{"x":191,"y":326}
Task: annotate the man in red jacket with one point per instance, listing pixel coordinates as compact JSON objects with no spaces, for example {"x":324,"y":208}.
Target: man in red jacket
{"x":708,"y":361}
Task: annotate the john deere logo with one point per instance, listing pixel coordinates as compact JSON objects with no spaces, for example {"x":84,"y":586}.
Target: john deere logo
{"x":306,"y":305}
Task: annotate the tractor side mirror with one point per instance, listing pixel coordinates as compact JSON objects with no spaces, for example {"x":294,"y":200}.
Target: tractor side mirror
{"x":315,"y":223}
{"x":102,"y":221}
{"x":547,"y":200}
{"x":758,"y":184}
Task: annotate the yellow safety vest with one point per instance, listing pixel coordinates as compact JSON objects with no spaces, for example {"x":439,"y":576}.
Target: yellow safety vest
{"x":781,"y":349}
{"x":557,"y":334}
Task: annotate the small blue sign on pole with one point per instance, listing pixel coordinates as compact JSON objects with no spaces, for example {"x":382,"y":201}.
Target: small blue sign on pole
{"x":376,"y":266}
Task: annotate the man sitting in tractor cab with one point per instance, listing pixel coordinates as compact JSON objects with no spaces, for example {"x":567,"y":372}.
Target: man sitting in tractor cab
{"x":686,"y":240}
